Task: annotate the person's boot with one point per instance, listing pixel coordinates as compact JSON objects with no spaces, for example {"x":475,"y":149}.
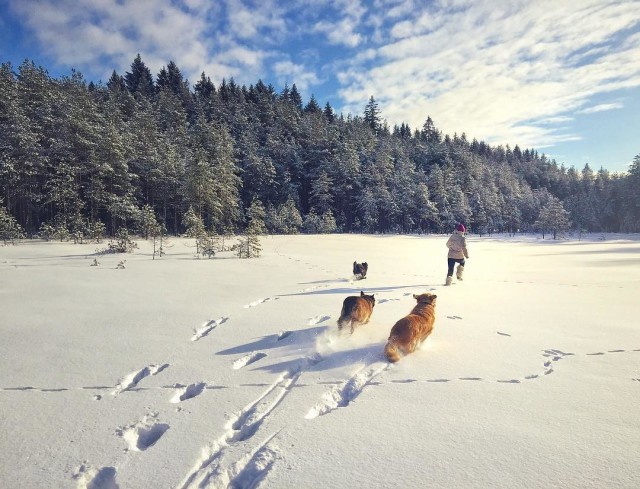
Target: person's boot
{"x":459,"y":271}
{"x":448,"y":282}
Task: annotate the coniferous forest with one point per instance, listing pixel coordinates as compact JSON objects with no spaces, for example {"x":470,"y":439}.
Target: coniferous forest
{"x":141,"y":151}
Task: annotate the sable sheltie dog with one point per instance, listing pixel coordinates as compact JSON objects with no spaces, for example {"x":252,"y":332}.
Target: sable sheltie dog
{"x":356,"y":310}
{"x":360,"y":270}
{"x":412,"y":329}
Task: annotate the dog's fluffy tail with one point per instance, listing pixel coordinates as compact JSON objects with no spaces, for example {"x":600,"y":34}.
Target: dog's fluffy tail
{"x":391,"y":350}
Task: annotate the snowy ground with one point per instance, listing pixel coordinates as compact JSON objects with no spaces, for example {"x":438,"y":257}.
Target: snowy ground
{"x":185,"y":373}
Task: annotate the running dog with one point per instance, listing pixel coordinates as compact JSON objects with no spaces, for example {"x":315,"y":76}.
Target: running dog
{"x":360,"y":270}
{"x":412,"y":329}
{"x":356,"y":310}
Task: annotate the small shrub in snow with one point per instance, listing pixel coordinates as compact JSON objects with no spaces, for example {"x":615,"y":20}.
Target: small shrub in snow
{"x":122,"y":242}
{"x":55,"y":230}
{"x":207,"y":245}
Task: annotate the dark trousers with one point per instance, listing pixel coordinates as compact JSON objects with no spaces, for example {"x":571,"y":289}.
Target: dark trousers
{"x":452,"y":262}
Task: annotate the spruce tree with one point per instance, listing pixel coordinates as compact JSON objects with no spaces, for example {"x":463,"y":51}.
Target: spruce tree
{"x":139,"y":79}
{"x":10,"y":230}
{"x":553,"y":217}
{"x":372,"y":115}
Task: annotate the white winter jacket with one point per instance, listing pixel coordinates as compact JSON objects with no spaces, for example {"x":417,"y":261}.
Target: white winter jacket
{"x":457,"y":245}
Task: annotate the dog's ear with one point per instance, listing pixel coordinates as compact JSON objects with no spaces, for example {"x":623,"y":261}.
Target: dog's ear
{"x":361,"y":293}
{"x":434,"y":297}
{"x":415,"y":296}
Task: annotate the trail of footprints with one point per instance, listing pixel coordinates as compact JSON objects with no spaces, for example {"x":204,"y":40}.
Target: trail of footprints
{"x":211,"y":469}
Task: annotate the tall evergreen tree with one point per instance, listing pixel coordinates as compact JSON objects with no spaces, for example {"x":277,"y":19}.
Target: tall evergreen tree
{"x":211,"y":180}
{"x":10,"y":230}
{"x":295,"y":97}
{"x":312,"y":106}
{"x":553,"y":217}
{"x":116,"y":82}
{"x":139,"y":79}
{"x":372,"y":115}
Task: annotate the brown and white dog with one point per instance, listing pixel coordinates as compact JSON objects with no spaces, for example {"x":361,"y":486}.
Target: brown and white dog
{"x":412,"y":329}
{"x":356,"y":310}
{"x":360,"y":270}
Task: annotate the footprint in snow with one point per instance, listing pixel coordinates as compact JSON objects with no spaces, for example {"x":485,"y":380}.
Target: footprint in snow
{"x":317,"y":320}
{"x":382,"y":301}
{"x":248,"y":359}
{"x":283,"y":334}
{"x":188,"y":392}
{"x":207,"y":327}
{"x":259,"y":301}
{"x":143,"y":434}
{"x":131,"y":380}
{"x":90,"y":478}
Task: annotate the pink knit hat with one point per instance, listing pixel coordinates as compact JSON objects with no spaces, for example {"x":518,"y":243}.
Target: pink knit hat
{"x":461,"y":228}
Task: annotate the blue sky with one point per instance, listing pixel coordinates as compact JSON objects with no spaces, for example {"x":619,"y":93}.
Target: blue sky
{"x":559,"y":76}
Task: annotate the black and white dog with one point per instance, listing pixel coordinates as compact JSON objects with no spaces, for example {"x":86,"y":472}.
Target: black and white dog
{"x":360,"y":270}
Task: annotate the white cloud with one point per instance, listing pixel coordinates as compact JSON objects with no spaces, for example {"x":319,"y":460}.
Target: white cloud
{"x":290,"y":73}
{"x":601,"y":108}
{"x":83,"y":33}
{"x":248,"y":22}
{"x":499,"y":75}
{"x":517,"y":73}
{"x":343,"y":28}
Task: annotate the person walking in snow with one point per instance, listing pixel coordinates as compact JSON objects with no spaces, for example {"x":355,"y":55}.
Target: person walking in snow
{"x":457,"y":245}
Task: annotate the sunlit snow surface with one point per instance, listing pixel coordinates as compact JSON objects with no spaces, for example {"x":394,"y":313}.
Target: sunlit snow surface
{"x":182,"y":372}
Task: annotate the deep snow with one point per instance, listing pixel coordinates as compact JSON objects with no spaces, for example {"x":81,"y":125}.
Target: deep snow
{"x":184,"y":372}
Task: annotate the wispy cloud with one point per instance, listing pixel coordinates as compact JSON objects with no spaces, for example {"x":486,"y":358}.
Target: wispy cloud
{"x":490,"y":73}
{"x":289,"y":73}
{"x":601,"y":108}
{"x":518,"y":73}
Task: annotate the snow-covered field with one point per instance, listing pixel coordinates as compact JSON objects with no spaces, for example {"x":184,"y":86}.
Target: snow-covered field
{"x":182,"y":372}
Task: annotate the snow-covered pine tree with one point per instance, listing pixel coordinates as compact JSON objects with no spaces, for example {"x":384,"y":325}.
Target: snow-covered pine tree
{"x":147,"y":222}
{"x":553,"y":217}
{"x":10,"y":230}
{"x":290,"y":217}
{"x":193,"y":224}
{"x":151,"y":228}
{"x":249,"y":245}
{"x":139,"y":79}
{"x":256,"y":216}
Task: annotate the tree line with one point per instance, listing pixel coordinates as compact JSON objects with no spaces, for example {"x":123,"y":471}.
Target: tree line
{"x":78,"y":157}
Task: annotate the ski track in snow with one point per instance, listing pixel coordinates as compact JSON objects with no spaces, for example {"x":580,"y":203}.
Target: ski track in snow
{"x":192,"y":390}
{"x":209,"y":469}
{"x":344,"y":393}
